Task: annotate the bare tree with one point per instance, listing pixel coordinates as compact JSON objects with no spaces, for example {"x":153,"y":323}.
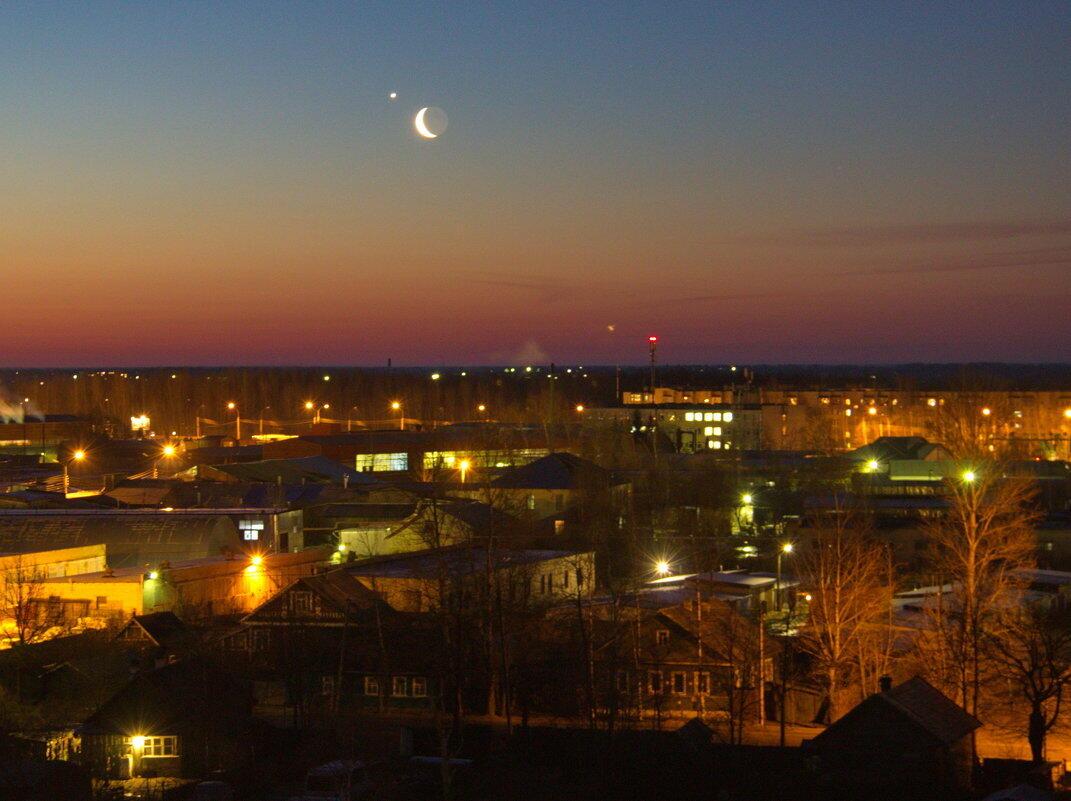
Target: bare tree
{"x":1032,"y":653}
{"x":980,"y":548}
{"x":23,"y":605}
{"x":849,"y":580}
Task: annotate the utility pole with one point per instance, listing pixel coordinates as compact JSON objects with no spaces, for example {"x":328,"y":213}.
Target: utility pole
{"x":652,"y":341}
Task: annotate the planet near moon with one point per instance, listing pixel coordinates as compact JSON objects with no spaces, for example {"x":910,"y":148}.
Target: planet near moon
{"x":430,"y":122}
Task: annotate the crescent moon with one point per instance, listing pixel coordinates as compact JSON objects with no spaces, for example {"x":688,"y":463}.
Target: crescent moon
{"x":421,"y":128}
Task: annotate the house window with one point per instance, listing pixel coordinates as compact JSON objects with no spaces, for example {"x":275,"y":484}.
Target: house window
{"x":327,"y":685}
{"x":400,"y":686}
{"x":559,"y":526}
{"x":251,"y":529}
{"x":371,"y":685}
{"x":156,"y":746}
{"x":102,"y":600}
{"x":654,"y":681}
{"x":702,"y":682}
{"x":662,"y":636}
{"x":420,"y":687}
{"x":301,"y":601}
{"x":679,"y":684}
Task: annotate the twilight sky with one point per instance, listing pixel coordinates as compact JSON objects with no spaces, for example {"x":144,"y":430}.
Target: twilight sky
{"x":227,"y":183}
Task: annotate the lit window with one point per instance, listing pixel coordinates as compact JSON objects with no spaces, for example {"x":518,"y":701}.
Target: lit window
{"x":662,"y":636}
{"x":717,"y":431}
{"x":156,"y":746}
{"x":709,"y":417}
{"x":727,"y":417}
{"x":400,"y":686}
{"x":714,"y":444}
{"x":689,"y":417}
{"x":708,"y":431}
{"x":371,"y":685}
{"x":419,"y":686}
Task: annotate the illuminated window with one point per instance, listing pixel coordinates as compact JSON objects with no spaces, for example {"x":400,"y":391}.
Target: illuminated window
{"x":166,"y":746}
{"x":419,"y":686}
{"x":251,"y":529}
{"x":399,"y":686}
{"x":382,"y":462}
{"x":662,"y":636}
{"x":371,"y":685}
{"x":689,"y":417}
{"x":708,"y":417}
{"x":708,"y":431}
{"x":727,"y":417}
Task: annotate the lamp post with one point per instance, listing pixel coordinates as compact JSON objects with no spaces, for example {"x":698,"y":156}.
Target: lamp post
{"x":260,"y":419}
{"x":397,"y":407}
{"x":233,"y":407}
{"x":167,"y":452}
{"x":785,"y":549}
{"x":78,"y":456}
{"x":464,"y":466}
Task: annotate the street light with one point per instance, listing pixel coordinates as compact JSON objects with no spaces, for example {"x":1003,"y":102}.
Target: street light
{"x":784,"y":550}
{"x":662,"y":567}
{"x":464,"y":466}
{"x":580,"y":408}
{"x":78,"y":455}
{"x":233,"y":407}
{"x":168,"y":451}
{"x":969,"y":476}
{"x":747,"y":499}
{"x":397,"y":407}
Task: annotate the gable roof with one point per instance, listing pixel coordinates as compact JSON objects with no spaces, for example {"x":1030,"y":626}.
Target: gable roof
{"x":918,"y":702}
{"x":162,"y":628}
{"x":887,"y":449}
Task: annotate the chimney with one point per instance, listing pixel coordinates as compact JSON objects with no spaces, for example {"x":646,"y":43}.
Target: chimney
{"x":885,"y":682}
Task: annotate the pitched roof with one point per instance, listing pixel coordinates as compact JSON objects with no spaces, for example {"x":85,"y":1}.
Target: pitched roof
{"x":931,"y":709}
{"x":917,"y":701}
{"x":161,"y":627}
{"x":555,"y":471}
{"x":341,"y":589}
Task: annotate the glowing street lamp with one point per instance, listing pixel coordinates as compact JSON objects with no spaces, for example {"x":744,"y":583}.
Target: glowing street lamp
{"x":233,"y":407}
{"x":986,"y":411}
{"x":397,"y":407}
{"x":580,"y":408}
{"x":747,"y":499}
{"x":969,"y":476}
{"x":662,"y":567}
{"x":78,"y":455}
{"x":873,"y":465}
{"x":464,"y":466}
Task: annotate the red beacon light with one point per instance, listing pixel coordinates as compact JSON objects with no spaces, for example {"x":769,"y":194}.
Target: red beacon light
{"x":652,"y":339}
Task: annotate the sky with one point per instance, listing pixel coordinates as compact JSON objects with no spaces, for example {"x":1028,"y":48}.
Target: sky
{"x":229,"y":183}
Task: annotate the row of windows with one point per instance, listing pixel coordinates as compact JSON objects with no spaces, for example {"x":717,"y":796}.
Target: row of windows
{"x":677,"y":682}
{"x":382,"y":462}
{"x":153,"y":746}
{"x":708,"y":417}
{"x":546,"y":581}
{"x":400,"y":686}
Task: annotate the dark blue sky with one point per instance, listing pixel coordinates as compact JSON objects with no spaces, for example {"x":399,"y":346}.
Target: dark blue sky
{"x":756,"y":182}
